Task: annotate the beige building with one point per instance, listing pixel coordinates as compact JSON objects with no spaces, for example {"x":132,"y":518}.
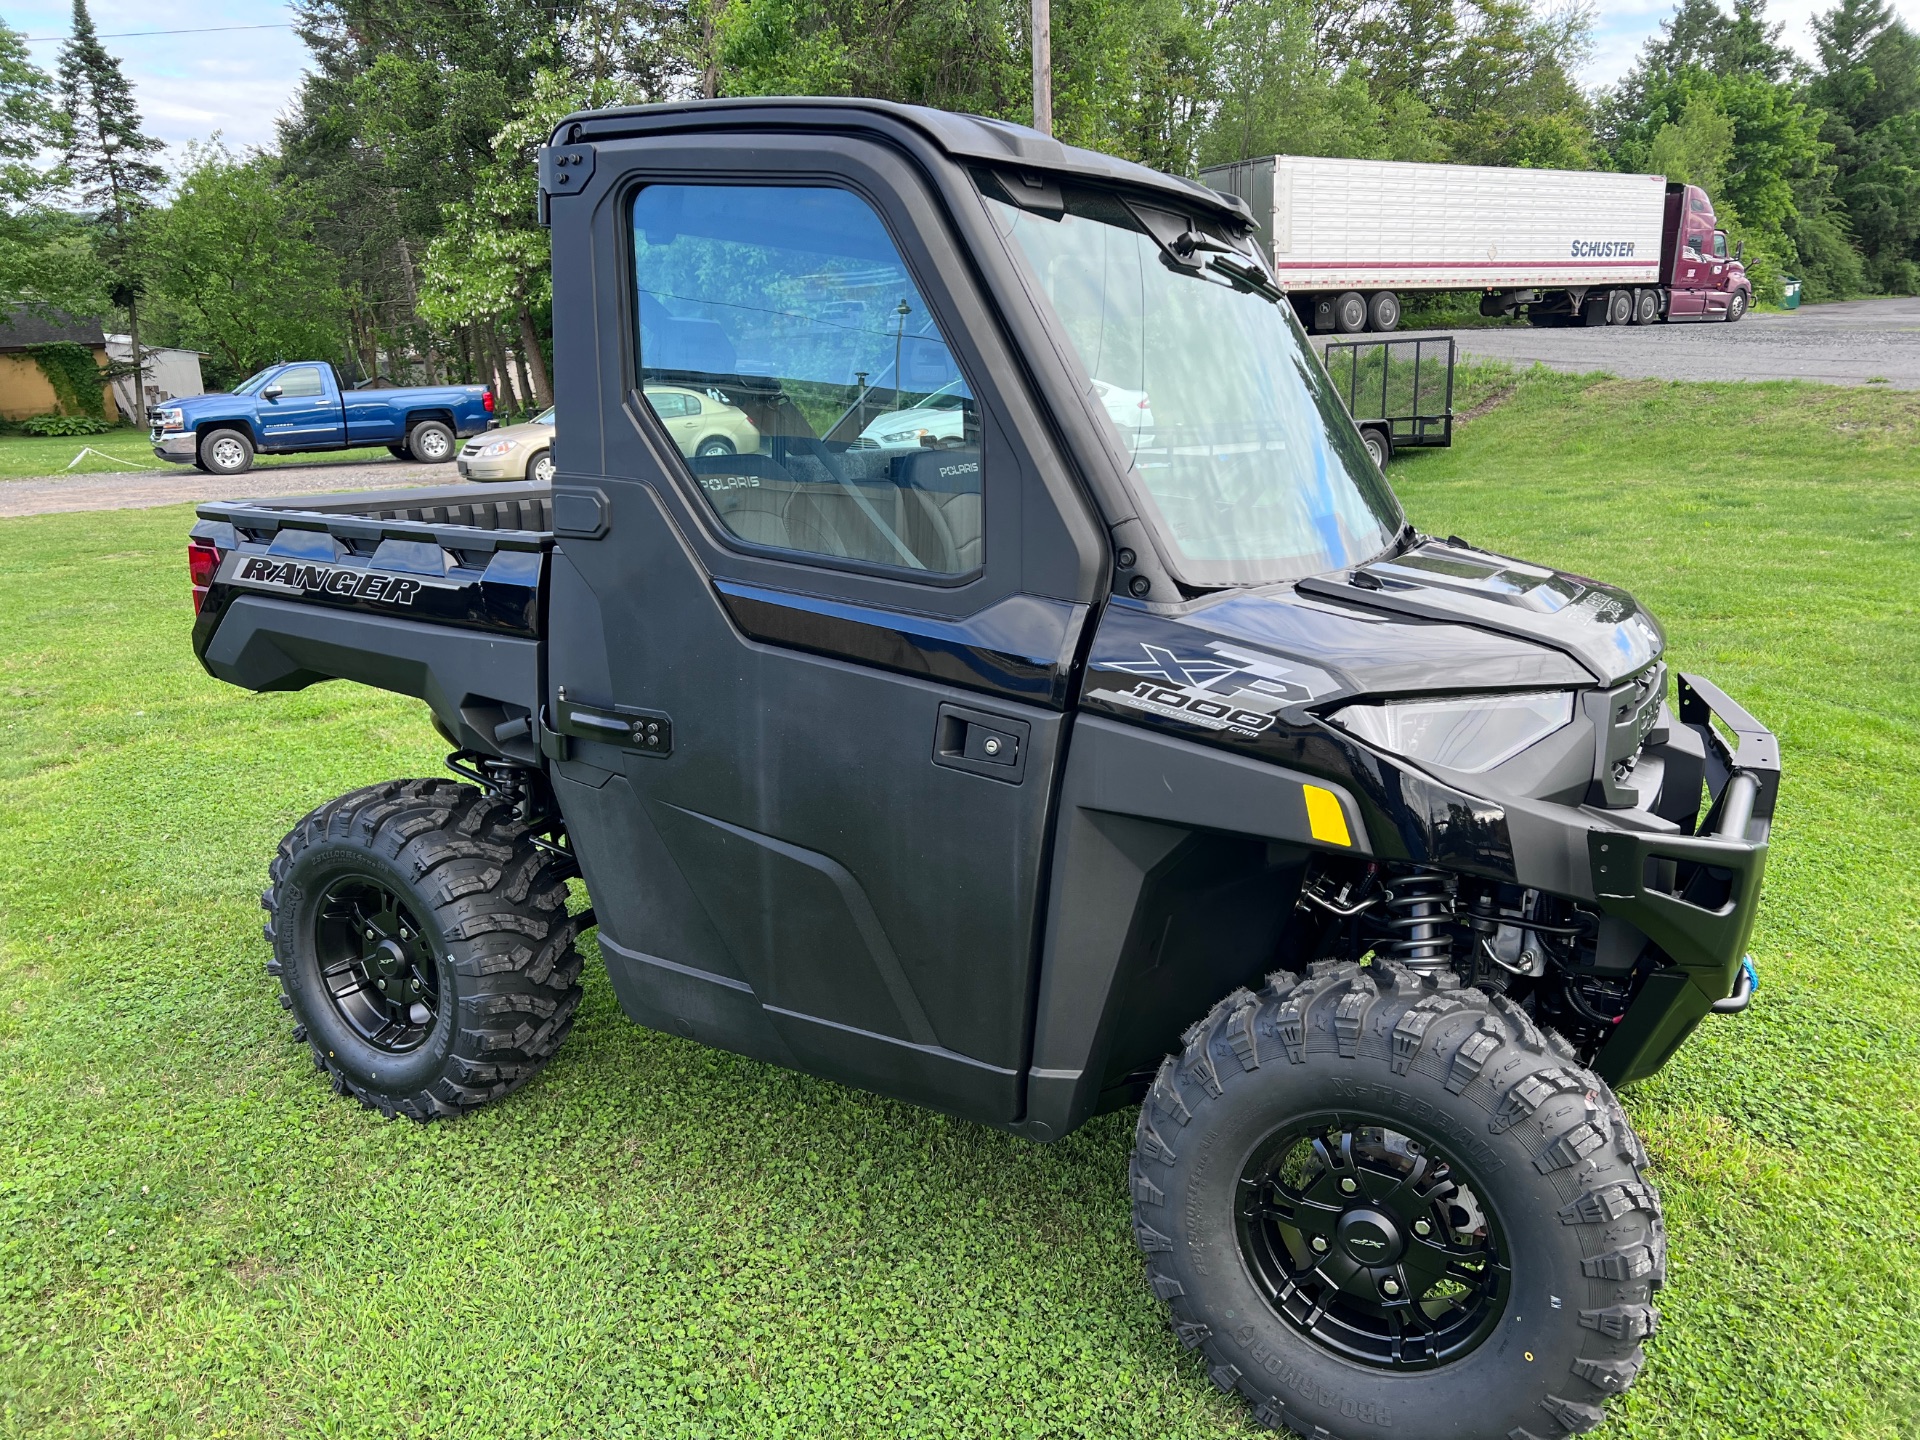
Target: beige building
{"x":24,"y":388}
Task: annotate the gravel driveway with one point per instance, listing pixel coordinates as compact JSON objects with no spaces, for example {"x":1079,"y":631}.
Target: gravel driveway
{"x":1854,"y":342}
{"x":144,"y":489}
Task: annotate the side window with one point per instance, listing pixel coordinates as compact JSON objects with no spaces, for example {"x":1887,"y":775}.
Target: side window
{"x":815,"y":400}
{"x":1719,"y":244}
{"x":301,"y":382}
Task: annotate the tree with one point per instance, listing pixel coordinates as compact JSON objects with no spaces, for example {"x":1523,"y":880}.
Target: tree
{"x":244,"y":279}
{"x":1279,"y":94}
{"x":1696,"y":148}
{"x":1868,"y":85}
{"x":107,"y":159}
{"x":46,"y":259}
{"x":491,"y":262}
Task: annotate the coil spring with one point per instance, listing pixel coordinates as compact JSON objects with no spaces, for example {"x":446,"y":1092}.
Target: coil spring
{"x":1415,"y":917}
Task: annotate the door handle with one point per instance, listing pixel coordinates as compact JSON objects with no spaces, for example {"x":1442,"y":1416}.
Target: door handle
{"x":981,"y":743}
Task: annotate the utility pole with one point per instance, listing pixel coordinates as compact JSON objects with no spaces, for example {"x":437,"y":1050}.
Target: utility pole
{"x":1043,"y":67}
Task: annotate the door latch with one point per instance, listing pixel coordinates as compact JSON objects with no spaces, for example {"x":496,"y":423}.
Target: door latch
{"x":981,"y":743}
{"x":648,"y":731}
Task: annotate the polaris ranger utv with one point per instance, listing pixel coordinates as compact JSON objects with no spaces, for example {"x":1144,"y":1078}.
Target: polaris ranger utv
{"x":1054,"y":712}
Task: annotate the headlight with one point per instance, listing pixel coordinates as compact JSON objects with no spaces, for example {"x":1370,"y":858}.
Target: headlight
{"x":496,"y":447}
{"x":1471,"y":734}
{"x":171,"y":419}
{"x":906,"y":437}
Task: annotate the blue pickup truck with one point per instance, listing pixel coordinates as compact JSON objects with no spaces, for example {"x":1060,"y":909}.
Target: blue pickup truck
{"x":302,"y":406}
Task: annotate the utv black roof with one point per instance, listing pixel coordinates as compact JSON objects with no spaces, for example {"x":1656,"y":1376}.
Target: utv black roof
{"x":960,"y":137}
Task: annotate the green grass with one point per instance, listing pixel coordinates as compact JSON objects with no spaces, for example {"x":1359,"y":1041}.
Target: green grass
{"x":27,"y":457}
{"x":198,"y":1238}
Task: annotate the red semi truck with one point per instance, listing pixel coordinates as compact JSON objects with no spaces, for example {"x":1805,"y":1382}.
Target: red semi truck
{"x":1566,"y":247}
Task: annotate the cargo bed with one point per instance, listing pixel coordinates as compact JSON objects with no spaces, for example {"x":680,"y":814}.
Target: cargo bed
{"x":435,"y":593}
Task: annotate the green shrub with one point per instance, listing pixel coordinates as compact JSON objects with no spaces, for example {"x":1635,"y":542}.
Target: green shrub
{"x":65,"y":425}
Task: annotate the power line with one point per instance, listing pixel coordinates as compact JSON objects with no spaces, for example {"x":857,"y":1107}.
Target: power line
{"x":140,"y":34}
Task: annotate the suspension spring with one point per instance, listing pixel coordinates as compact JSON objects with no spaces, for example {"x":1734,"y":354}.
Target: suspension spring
{"x":1415,"y":918}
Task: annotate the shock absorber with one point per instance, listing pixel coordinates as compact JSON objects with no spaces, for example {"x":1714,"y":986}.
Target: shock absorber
{"x":1415,"y":916}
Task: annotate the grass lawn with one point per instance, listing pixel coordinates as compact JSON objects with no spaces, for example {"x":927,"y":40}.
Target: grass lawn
{"x":25,"y":457}
{"x":198,"y":1238}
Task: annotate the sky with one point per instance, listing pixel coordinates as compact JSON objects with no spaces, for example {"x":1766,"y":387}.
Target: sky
{"x":237,"y":81}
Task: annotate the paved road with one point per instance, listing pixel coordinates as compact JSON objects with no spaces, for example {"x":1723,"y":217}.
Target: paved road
{"x":1849,"y":343}
{"x":144,"y":489}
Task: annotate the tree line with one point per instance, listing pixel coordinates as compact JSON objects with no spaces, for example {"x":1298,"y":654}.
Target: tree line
{"x":391,"y":228}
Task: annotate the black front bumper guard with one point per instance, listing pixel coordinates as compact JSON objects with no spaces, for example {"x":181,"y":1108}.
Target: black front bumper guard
{"x":1694,"y":896}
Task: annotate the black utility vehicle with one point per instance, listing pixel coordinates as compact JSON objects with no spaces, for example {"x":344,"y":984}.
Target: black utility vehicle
{"x":1054,"y":712}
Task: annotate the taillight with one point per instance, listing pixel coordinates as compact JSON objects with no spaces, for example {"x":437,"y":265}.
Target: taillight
{"x":486,"y":400}
{"x":202,"y":560}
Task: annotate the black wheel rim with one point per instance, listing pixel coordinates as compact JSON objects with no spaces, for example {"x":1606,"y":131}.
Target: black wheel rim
{"x":378,"y":971}
{"x":1371,"y":1243}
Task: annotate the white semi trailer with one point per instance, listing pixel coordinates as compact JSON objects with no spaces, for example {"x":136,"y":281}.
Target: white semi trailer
{"x":1350,"y":237}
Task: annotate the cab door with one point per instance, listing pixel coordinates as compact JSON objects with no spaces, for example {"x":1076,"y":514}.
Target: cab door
{"x":300,"y":410}
{"x":1719,"y":294}
{"x":1688,"y":298}
{"x":808,"y":699}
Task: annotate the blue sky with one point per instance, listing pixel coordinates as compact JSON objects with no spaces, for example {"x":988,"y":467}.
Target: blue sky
{"x":236,"y":82}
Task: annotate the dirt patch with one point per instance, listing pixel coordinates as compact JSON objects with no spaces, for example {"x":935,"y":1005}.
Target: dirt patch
{"x":1481,"y":407}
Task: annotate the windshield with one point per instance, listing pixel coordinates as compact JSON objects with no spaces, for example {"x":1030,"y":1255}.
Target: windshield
{"x":254,"y":381}
{"x":1239,"y":451}
{"x":545,"y":417}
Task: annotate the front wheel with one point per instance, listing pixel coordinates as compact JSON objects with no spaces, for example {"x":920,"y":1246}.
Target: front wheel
{"x":226,"y":452}
{"x":1737,"y":306}
{"x":1383,"y":1203}
{"x":540,"y":468}
{"x":423,"y":944}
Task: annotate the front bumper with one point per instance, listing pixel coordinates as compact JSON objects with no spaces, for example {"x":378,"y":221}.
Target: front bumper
{"x":179,"y":446}
{"x":1695,"y":896}
{"x":494,"y":468}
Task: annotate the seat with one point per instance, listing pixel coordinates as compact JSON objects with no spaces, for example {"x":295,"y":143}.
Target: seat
{"x":944,"y":515}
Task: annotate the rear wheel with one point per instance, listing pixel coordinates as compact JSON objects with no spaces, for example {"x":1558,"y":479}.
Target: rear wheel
{"x":1383,"y":312}
{"x":430,"y":442}
{"x":1373,"y":1199}
{"x":423,"y":945}
{"x":1619,"y":307}
{"x":1378,"y":446}
{"x":1646,"y":306}
{"x":1350,"y":313}
{"x":714,"y":446}
{"x":226,"y":452}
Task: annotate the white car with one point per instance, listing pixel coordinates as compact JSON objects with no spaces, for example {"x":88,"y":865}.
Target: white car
{"x":940,"y":419}
{"x":937,"y":422}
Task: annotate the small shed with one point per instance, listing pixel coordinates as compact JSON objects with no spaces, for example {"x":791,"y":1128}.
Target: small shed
{"x":25,"y":390}
{"x":171,"y":374}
